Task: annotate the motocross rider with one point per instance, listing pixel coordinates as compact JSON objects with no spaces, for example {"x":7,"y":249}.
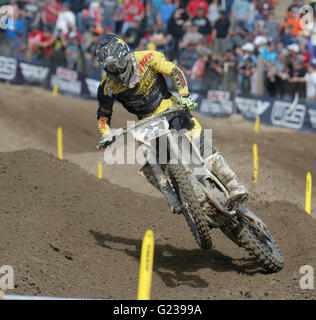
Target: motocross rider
{"x":136,"y":80}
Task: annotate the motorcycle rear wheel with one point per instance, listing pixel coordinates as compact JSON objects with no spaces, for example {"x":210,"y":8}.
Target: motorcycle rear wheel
{"x":264,"y":250}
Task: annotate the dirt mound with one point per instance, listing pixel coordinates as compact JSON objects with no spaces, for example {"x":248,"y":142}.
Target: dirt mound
{"x":66,"y":233}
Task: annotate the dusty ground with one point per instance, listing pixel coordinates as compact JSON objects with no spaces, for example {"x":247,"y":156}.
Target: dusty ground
{"x":66,"y":233}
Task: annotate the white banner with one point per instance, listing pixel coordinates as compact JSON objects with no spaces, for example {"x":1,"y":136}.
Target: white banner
{"x":34,"y":73}
{"x":312,"y":116}
{"x":8,"y":67}
{"x":93,"y":86}
{"x":285,"y":115}
{"x":251,"y":107}
{"x":210,"y":106}
{"x":70,"y":86}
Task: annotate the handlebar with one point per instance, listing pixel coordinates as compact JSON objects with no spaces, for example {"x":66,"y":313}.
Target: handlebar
{"x":170,"y":110}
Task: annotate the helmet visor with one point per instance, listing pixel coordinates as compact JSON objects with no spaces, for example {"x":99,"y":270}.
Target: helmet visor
{"x":115,"y":66}
{"x":113,"y":69}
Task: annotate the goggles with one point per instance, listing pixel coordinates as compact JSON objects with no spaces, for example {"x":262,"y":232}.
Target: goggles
{"x":113,"y":69}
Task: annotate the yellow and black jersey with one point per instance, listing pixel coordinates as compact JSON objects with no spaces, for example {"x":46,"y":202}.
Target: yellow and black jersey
{"x":147,"y":95}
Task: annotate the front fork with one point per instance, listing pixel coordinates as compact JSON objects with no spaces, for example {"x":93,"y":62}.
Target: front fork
{"x":166,"y":189}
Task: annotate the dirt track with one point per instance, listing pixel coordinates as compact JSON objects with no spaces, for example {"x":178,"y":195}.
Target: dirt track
{"x":67,"y":233}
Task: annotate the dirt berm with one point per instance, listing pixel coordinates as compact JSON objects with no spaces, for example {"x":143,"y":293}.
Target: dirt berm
{"x":68,"y":234}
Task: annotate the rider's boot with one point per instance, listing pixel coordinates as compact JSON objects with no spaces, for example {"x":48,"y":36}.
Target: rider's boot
{"x":237,"y":191}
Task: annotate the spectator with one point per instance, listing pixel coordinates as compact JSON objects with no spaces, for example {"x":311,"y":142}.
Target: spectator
{"x":257,"y":30}
{"x":72,"y":51}
{"x":151,"y":11}
{"x":237,"y":33}
{"x":247,"y":63}
{"x":175,"y":30}
{"x":304,"y":52}
{"x":19,"y":46}
{"x":253,"y":14}
{"x":69,"y":39}
{"x":288,"y":36}
{"x":247,"y":72}
{"x":85,"y":17}
{"x":108,"y":30}
{"x":191,"y":34}
{"x":240,"y":11}
{"x":31,"y":13}
{"x":213,"y":12}
{"x":87,"y":36}
{"x":119,"y":20}
{"x":282,"y":73}
{"x":65,"y":17}
{"x":193,"y":6}
{"x":134,"y":35}
{"x":294,"y":8}
{"x":198,"y":69}
{"x":131,"y":9}
{"x":50,"y":14}
{"x":11,"y":33}
{"x":297,"y":78}
{"x":92,"y":65}
{"x":310,"y":79}
{"x":58,"y":57}
{"x":294,"y":21}
{"x":260,"y":43}
{"x":109,"y":8}
{"x":76,"y":6}
{"x":230,"y":79}
{"x":188,"y":56}
{"x":158,"y":36}
{"x":204,"y":25}
{"x":47,"y":46}
{"x":270,"y":54}
{"x":71,"y":29}
{"x":165,"y":11}
{"x":271,"y":26}
{"x":34,"y":38}
{"x":265,"y":8}
{"x":220,"y":34}
{"x":213,"y":74}
{"x":248,"y":51}
{"x":228,"y":8}
{"x":271,"y":79}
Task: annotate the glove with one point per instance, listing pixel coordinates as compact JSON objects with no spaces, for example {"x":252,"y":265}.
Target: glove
{"x":188,"y":102}
{"x":105,"y":132}
{"x":110,"y":137}
{"x":106,"y":141}
{"x":103,"y":127}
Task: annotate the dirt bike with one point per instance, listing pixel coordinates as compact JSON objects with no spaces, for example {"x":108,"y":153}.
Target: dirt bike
{"x":190,"y":188}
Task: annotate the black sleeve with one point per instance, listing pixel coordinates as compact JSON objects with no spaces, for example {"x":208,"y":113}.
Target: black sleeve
{"x":209,"y":28}
{"x":105,"y":104}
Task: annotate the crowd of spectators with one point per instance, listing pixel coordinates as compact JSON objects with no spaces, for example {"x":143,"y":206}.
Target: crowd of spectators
{"x":235,"y":45}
